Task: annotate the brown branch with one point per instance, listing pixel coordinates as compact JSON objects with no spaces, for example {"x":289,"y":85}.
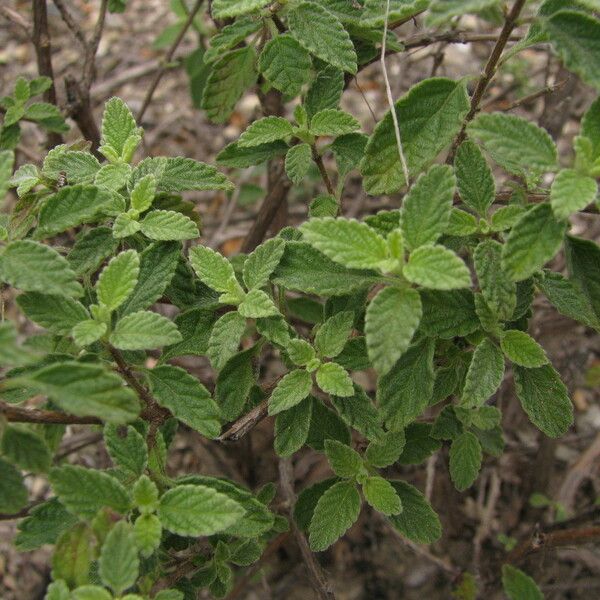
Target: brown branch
{"x":321,"y":166}
{"x":245,"y":423}
{"x":89,"y":64}
{"x":167,"y":59}
{"x":315,"y":572}
{"x":17,"y":414}
{"x":489,"y":71}
{"x":70,"y":22}
{"x":14,"y":17}
{"x":80,"y":110}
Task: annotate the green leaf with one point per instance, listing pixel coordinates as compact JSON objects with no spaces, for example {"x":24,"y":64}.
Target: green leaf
{"x":230,"y":36}
{"x":143,"y":330}
{"x":417,"y":521}
{"x":86,"y":390}
{"x":87,"y":332}
{"x":392,"y":318}
{"x":474,"y":178}
{"x":25,"y":449}
{"x":126,"y":448}
{"x":334,"y":333}
{"x":225,"y":339}
{"x":571,"y":191}
{"x":400,"y":10}
{"x":291,"y":390}
{"x":7,"y":159}
{"x":168,"y":225}
{"x":348,"y":150}
{"x":544,"y":398}
{"x":576,"y":38}
{"x":321,"y":33}
{"x":359,"y":412}
{"x":43,"y":524}
{"x":506,"y":217}
{"x":148,"y":532}
{"x":448,"y":314}
{"x":420,"y":444}
{"x":25,"y":178}
{"x":442,"y":11}
{"x":188,"y":400}
{"x":292,"y":427}
{"x":74,"y":165}
{"x":91,"y":249}
{"x":426,"y":208}
{"x":335,"y":512}
{"x":285,"y":64}
{"x":465,"y":460}
{"x":300,"y":352}
{"x":437,"y":268}
{"x":142,"y":195}
{"x":13,"y":493}
{"x":85,"y":491}
{"x":343,"y":460}
{"x":117,"y":125}
{"x":332,"y":122}
{"x":590,"y":127}
{"x":34,"y":267}
{"x":430,"y":115}
{"x":499,"y":291}
{"x":234,"y":383}
{"x":257,"y":304}
{"x":213,"y":269}
{"x":297,"y":162}
{"x":93,"y":592}
{"x":307,"y":501}
{"x":382,"y":496}
{"x":519,"y":586}
{"x":346,"y":241}
{"x":58,"y":314}
{"x":194,"y":510}
{"x":230,"y":77}
{"x":237,"y":157}
{"x":262,"y":262}
{"x":484,"y":375}
{"x":583,"y":261}
{"x":532,"y":242}
{"x":265,"y":130}
{"x":118,"y":279}
{"x":72,"y":556}
{"x":325,"y":91}
{"x":386,"y":450}
{"x":112,"y":177}
{"x":224,"y":9}
{"x":522,"y":349}
{"x":119,"y":563}
{"x":516,"y":144}
{"x":334,"y":379}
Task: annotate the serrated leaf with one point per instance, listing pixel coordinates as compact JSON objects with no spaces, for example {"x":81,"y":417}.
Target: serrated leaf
{"x":142,"y":195}
{"x":297,"y":162}
{"x":168,"y":225}
{"x":94,"y":592}
{"x":225,"y":338}
{"x":426,"y":208}
{"x":237,"y":157}
{"x":516,"y":144}
{"x":126,"y":448}
{"x":230,"y":36}
{"x":474,"y":178}
{"x":91,"y":249}
{"x":521,"y":349}
{"x":544,"y":398}
{"x":265,"y":130}
{"x":448,"y":314}
{"x":359,"y":412}
{"x":113,"y":177}
{"x":532,"y":242}
{"x":334,"y":333}
{"x":285,"y":64}
{"x":382,"y":496}
{"x":430,"y":115}
{"x":571,"y":191}
{"x":334,"y":379}
{"x":392,"y":318}
{"x":7,"y":159}
{"x":583,"y":261}
{"x":257,"y":304}
{"x":343,"y":460}
{"x":77,"y":166}
{"x":117,"y":125}
{"x":230,"y":77}
{"x":386,"y":449}
{"x":484,"y":375}
{"x":291,"y":390}
{"x":72,"y":556}
{"x":58,"y":314}
{"x":346,"y":241}
{"x":262,"y":262}
{"x":322,"y":34}
{"x":234,"y":382}
{"x":118,"y":279}
{"x":590,"y":127}
{"x":188,"y":400}
{"x":85,"y":491}
{"x":291,"y":428}
{"x":420,"y":444}
{"x":437,"y":268}
{"x":224,"y":9}
{"x":25,"y":449}
{"x":213,"y":269}
{"x":34,"y":267}
{"x":142,"y":330}
{"x":194,"y":510}
{"x":335,"y":512}
{"x":442,"y":11}
{"x":332,"y":122}
{"x":147,"y":531}
{"x":506,"y":217}
{"x":119,"y":562}
{"x":325,"y":91}
{"x":88,"y":331}
{"x":519,"y":586}
{"x":43,"y":525}
{"x":465,"y":460}
{"x":13,"y":493}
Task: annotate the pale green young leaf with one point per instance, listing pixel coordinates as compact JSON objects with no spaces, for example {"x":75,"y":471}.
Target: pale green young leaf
{"x":113,"y":177}
{"x":392,"y":318}
{"x":13,"y":493}
{"x":544,"y":398}
{"x":25,"y":178}
{"x":297,"y":162}
{"x":285,"y":64}
{"x":461,"y":223}
{"x":194,"y":510}
{"x":85,"y":491}
{"x":532,"y":242}
{"x":126,"y":448}
{"x":343,"y":460}
{"x":322,"y":34}
{"x":484,"y":375}
{"x":119,"y":562}
{"x":381,"y":495}
{"x":430,"y":115}
{"x":374,"y":11}
{"x":292,"y":427}
{"x":117,"y":125}
{"x":58,"y":314}
{"x":213,"y":269}
{"x":145,"y":494}
{"x":516,"y":144}
{"x":386,"y":450}
{"x":519,"y":586}
{"x":300,"y":352}
{"x":335,"y":512}
{"x":346,"y":241}
{"x":441,"y":12}
{"x":230,"y":36}
{"x":291,"y":390}
{"x":325,"y":90}
{"x":142,"y":194}
{"x":257,"y":304}
{"x":118,"y":279}
{"x":25,"y":449}
{"x":224,"y":9}
{"x":168,"y":225}
{"x":437,"y":268}
{"x":33,"y":267}
{"x":77,"y":166}
{"x":465,"y":460}
{"x":571,"y":191}
{"x":265,"y":130}
{"x":125,"y":225}
{"x":506,"y":217}
{"x":521,"y":349}
{"x":262,"y":262}
{"x":334,"y":333}
{"x":426,"y":208}
{"x":188,"y":400}
{"x":148,"y":532}
{"x":72,"y":557}
{"x":90,"y":592}
{"x":332,"y":122}
{"x":334,"y":379}
{"x":474,"y":178}
{"x":143,"y":330}
{"x":7,"y":159}
{"x":225,"y":338}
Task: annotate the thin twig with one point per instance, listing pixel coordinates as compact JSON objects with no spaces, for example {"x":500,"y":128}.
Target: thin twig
{"x":321,"y":166}
{"x":17,"y":414}
{"x":14,"y":17}
{"x":167,"y":59}
{"x":70,"y":22}
{"x":89,"y":64}
{"x":534,"y":96}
